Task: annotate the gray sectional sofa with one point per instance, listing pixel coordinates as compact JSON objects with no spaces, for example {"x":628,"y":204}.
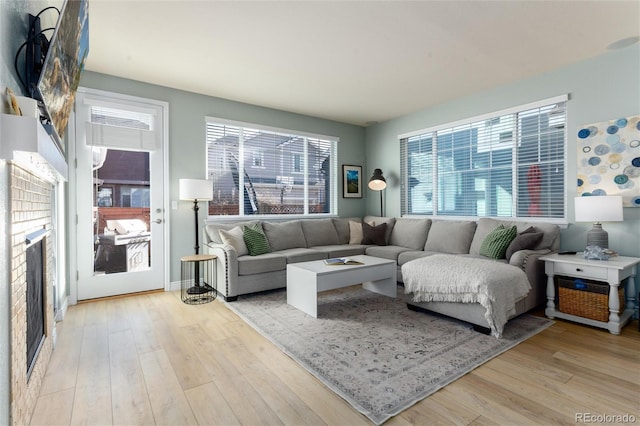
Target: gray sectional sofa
{"x":406,"y":238}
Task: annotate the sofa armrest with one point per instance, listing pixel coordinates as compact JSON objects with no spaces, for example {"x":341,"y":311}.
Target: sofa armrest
{"x":528,"y":261}
{"x":226,"y":268}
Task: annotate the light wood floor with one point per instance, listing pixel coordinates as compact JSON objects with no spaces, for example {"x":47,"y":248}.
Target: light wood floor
{"x":150,"y":359}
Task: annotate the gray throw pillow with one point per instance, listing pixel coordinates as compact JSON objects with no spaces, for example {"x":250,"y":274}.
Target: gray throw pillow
{"x":525,"y":240}
{"x":378,"y":220}
{"x":374,"y":234}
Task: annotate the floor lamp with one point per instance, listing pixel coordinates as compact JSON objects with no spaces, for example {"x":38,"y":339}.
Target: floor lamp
{"x":196,"y":190}
{"x":377,"y":182}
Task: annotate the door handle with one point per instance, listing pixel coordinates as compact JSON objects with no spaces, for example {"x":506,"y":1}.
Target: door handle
{"x":158,"y":221}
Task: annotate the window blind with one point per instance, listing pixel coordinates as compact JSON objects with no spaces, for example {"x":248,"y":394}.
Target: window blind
{"x":122,"y":127}
{"x":507,"y":164}
{"x":264,"y":171}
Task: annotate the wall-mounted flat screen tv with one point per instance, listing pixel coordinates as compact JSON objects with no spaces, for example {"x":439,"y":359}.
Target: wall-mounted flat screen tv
{"x":63,"y":65}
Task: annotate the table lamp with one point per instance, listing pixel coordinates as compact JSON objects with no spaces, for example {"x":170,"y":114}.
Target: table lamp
{"x":377,"y":182}
{"x":196,"y":190}
{"x":597,"y":209}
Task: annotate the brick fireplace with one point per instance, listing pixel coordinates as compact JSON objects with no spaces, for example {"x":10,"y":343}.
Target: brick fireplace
{"x":31,"y":205}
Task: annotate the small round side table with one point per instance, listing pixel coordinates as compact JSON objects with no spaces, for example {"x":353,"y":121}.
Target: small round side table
{"x":198,"y":283}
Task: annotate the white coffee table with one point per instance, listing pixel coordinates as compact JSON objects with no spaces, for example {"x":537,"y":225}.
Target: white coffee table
{"x":306,"y":279}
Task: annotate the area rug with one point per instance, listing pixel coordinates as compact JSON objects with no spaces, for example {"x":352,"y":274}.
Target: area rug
{"x":372,"y":350}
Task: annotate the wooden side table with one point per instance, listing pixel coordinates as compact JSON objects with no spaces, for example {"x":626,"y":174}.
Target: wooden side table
{"x":198,"y":277}
{"x":613,"y":271}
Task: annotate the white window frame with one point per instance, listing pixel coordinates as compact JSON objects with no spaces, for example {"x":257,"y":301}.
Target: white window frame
{"x":306,"y":136}
{"x":514,"y":140}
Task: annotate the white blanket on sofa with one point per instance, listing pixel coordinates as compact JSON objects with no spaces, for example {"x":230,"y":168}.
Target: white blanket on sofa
{"x":447,"y":278}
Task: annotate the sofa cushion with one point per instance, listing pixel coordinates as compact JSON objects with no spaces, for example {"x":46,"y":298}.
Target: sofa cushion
{"x":386,"y":252}
{"x":255,"y":240}
{"x":268,"y":262}
{"x":235,"y":238}
{"x":378,"y":220}
{"x":550,"y":238}
{"x":495,"y":244}
{"x":355,"y":232}
{"x":212,"y":229}
{"x":453,"y":237}
{"x":525,"y":240}
{"x":341,"y":250}
{"x":410,"y":233}
{"x":295,"y":255}
{"x":284,"y":235}
{"x":479,"y":256}
{"x":408,"y":256}
{"x":342,"y":228}
{"x":374,"y":234}
{"x":319,"y":232}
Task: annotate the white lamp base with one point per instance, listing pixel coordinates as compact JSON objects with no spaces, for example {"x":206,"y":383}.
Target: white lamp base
{"x":598,"y":236}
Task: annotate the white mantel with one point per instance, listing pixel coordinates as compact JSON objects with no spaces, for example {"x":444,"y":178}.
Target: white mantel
{"x":25,"y":141}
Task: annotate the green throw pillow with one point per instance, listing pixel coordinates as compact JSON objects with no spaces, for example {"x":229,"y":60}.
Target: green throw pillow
{"x":495,"y":244}
{"x":255,"y":240}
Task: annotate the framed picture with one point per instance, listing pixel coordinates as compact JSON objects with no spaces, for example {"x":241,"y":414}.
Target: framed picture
{"x":351,"y":181}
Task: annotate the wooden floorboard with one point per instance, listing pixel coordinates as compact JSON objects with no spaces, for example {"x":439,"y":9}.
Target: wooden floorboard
{"x":151,"y":359}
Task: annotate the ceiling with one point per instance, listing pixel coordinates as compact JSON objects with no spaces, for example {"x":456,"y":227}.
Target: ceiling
{"x":356,"y":62}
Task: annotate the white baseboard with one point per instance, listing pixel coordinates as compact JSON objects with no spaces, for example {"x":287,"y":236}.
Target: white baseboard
{"x":174,"y":285}
{"x":63,"y":310}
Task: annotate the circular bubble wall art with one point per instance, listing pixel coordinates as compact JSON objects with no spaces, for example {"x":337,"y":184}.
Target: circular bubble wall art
{"x":609,"y":159}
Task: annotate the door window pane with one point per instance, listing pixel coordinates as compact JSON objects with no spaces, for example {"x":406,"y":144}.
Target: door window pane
{"x":121,"y":222}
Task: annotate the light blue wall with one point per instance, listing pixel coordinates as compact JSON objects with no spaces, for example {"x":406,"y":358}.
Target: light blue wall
{"x":187,"y":113}
{"x":600,"y":89}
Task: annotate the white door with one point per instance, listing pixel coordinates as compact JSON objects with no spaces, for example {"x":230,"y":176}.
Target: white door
{"x":119,"y":183}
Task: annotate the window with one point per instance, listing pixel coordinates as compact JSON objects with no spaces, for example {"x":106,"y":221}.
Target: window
{"x":507,"y":164}
{"x":105,"y":197}
{"x":296,"y":161}
{"x":258,"y":159}
{"x":264,"y":171}
{"x":135,"y":197}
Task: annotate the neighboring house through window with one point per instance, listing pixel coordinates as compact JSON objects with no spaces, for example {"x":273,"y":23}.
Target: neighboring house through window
{"x":507,"y":164}
{"x":256,"y":170}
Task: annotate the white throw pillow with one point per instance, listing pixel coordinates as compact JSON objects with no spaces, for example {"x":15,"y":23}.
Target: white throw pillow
{"x":235,"y":239}
{"x":355,"y":232}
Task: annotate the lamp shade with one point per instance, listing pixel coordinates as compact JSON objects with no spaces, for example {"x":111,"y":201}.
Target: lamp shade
{"x":377,"y":182}
{"x":599,"y":208}
{"x":196,"y":189}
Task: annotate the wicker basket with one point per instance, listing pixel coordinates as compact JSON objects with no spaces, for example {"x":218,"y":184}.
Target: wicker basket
{"x":585,"y":298}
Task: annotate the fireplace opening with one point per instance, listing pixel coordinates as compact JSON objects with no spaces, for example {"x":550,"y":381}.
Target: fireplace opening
{"x":36,"y":255}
